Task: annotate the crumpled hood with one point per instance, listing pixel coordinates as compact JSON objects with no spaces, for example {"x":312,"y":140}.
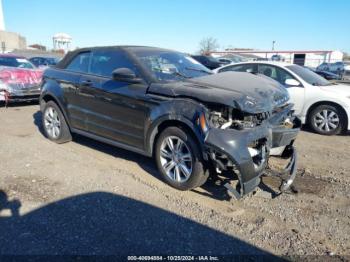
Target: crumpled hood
{"x":244,"y":91}
{"x":340,"y":89}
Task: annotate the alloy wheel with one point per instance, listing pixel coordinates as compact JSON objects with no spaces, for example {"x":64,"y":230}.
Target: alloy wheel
{"x":52,"y":122}
{"x":176,"y":159}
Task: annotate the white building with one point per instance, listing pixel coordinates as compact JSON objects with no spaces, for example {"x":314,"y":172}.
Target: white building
{"x":311,"y":58}
{"x":62,"y":41}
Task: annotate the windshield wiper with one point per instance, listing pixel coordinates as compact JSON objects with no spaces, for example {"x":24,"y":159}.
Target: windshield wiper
{"x":198,"y":70}
{"x":179,"y":74}
{"x":172,"y":73}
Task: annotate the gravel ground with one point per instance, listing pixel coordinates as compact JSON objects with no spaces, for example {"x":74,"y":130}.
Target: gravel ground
{"x":85,"y":197}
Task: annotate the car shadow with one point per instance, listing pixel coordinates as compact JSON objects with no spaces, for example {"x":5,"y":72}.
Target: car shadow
{"x":144,"y":162}
{"x":103,"y":224}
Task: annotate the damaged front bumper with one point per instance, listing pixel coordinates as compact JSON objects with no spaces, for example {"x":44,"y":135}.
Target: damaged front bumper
{"x":20,"y":95}
{"x":246,"y":153}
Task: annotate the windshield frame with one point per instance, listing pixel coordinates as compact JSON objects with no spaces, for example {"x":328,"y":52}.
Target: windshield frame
{"x":308,"y":75}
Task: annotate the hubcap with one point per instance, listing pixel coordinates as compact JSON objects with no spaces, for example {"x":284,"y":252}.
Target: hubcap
{"x":326,"y":120}
{"x":176,"y":159}
{"x":52,"y":122}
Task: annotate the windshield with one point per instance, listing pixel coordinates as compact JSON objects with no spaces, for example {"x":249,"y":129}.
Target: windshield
{"x":308,"y":76}
{"x":170,"y":66}
{"x":16,"y":62}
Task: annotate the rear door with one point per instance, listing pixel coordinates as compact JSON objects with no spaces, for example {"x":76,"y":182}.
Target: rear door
{"x":114,"y":110}
{"x":70,"y":84}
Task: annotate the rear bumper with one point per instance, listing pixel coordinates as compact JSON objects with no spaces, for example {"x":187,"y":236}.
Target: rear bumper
{"x":235,"y":145}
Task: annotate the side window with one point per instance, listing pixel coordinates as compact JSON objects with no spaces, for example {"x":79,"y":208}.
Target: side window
{"x":104,"y":62}
{"x":80,"y":63}
{"x":276,"y":73}
{"x":238,"y":68}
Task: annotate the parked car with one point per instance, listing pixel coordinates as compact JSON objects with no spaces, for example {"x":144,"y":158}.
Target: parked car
{"x":164,"y":104}
{"x":224,"y":60}
{"x":44,"y":61}
{"x":208,"y":61}
{"x":277,"y":58}
{"x":323,"y":105}
{"x":338,"y":68}
{"x":19,"y":79}
{"x":328,"y":75}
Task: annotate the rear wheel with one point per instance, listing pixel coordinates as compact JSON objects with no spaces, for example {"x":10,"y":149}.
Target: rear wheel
{"x":179,"y":159}
{"x":327,"y":120}
{"x":54,"y":123}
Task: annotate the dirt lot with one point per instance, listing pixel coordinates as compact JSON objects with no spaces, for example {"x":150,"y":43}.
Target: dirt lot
{"x":86,"y":197}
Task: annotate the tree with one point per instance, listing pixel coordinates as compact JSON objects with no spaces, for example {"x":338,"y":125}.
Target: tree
{"x":207,"y":45}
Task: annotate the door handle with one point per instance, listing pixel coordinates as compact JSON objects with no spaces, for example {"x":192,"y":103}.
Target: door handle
{"x":86,"y":83}
{"x":104,"y":98}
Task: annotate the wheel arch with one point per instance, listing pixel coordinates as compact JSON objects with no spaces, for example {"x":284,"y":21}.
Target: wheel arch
{"x":169,"y":121}
{"x":45,"y":98}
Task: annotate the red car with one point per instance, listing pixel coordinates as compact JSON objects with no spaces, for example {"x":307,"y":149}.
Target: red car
{"x":19,"y":79}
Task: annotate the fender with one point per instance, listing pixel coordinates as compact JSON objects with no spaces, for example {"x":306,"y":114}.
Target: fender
{"x":185,"y":111}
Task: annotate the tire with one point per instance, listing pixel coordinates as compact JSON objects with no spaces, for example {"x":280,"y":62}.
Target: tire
{"x":196,"y":168}
{"x":333,"y":125}
{"x":54,"y":124}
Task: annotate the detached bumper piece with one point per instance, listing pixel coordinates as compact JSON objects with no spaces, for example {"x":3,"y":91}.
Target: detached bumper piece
{"x":287,"y":175}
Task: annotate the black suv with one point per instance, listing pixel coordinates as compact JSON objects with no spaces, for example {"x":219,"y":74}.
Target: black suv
{"x":162,"y":103}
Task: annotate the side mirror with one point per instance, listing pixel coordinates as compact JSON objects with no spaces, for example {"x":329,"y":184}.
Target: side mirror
{"x":125,"y":75}
{"x":292,"y":82}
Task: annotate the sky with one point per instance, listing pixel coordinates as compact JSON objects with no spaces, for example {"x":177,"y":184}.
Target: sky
{"x":181,"y":24}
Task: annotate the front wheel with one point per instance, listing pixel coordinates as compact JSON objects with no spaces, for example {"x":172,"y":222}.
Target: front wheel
{"x":179,"y":159}
{"x":327,"y":120}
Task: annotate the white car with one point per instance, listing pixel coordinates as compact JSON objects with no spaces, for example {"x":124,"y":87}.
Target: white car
{"x":323,"y":105}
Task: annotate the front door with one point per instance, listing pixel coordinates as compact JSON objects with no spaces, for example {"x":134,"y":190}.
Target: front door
{"x":114,"y":110}
{"x":296,"y":93}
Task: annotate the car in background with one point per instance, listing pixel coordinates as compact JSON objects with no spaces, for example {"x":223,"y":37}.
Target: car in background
{"x":328,"y":75}
{"x":277,"y":58}
{"x":338,"y":68}
{"x":325,"y":106}
{"x":165,"y":104}
{"x":19,"y":79}
{"x":224,"y":60}
{"x":44,"y":61}
{"x":208,"y":61}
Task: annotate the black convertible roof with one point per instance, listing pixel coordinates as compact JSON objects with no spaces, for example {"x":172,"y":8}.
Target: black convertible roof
{"x":68,"y":57}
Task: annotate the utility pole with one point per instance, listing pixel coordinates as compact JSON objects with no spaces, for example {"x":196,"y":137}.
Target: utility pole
{"x":2,"y":20}
{"x":273,"y":45}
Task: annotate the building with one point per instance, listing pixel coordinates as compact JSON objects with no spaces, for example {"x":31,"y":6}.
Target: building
{"x":9,"y":40}
{"x":310,"y":58}
{"x":62,"y":41}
